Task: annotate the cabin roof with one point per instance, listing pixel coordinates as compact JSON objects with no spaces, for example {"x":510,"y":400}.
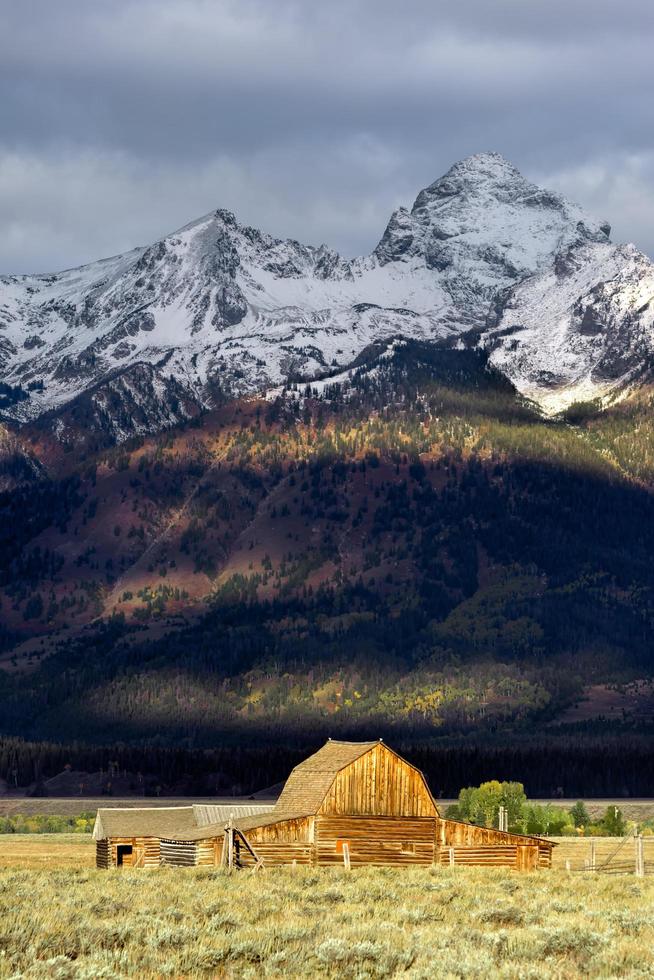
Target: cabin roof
{"x":143,"y":821}
{"x":310,"y":781}
{"x":169,"y":821}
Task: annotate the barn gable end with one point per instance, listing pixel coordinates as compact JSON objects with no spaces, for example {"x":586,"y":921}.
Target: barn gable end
{"x":379,"y":783}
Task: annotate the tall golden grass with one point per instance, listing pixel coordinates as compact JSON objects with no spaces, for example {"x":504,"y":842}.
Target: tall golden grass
{"x":369,"y":923}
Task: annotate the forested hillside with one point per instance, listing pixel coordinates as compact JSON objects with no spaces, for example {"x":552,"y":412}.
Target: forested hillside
{"x":416,"y":553}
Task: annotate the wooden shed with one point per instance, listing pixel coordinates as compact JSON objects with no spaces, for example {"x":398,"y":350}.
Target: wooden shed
{"x":131,"y":836}
{"x":358,"y":802}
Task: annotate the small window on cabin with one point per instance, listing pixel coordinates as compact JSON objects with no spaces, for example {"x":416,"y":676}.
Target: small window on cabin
{"x":409,"y":846}
{"x":339,"y":845}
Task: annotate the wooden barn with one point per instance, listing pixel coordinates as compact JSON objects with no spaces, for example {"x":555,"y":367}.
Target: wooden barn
{"x":354,"y":803}
{"x":130,"y":836}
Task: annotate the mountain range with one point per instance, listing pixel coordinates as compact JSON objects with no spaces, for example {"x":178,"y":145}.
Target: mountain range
{"x":251,"y":486}
{"x":219,"y":310}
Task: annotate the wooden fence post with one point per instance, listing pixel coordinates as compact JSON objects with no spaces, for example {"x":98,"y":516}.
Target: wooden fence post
{"x":451,"y":852}
{"x":640,"y":858}
{"x":567,"y":865}
{"x":230,"y":844}
{"x":346,"y":855}
{"x":593,"y":854}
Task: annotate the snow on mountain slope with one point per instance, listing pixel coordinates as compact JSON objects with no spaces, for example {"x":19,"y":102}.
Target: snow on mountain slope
{"x":583,"y":329}
{"x":217,"y":307}
{"x":214,"y":302}
{"x":483,"y":227}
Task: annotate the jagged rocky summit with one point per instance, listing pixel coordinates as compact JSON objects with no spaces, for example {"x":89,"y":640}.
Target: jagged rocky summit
{"x":141,"y":341}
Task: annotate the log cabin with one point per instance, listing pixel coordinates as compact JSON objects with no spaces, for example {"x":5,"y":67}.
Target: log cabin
{"x":354,"y":803}
{"x":130,"y":836}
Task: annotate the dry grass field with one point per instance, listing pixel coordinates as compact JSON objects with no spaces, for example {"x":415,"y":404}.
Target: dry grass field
{"x":60,"y":919}
{"x":30,"y":851}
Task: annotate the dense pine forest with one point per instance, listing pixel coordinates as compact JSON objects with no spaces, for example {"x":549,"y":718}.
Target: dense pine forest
{"x":554,"y":767}
{"x":418,"y":555}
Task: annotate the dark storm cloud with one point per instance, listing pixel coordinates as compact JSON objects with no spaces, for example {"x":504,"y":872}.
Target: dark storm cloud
{"x":121,"y":120}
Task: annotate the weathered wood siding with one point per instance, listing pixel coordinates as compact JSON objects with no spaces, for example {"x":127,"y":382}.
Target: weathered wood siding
{"x":392,"y":841}
{"x":276,"y":853}
{"x":371,"y":840}
{"x":280,"y":843}
{"x":484,"y":845}
{"x":102,"y":854}
{"x":503,"y":855}
{"x":145,"y":852}
{"x":208,"y":852}
{"x":379,"y":783}
{"x":375,"y":840}
{"x":180,"y":854}
{"x":527,"y":857}
{"x":523,"y":857}
{"x":295,"y":830}
{"x":191,"y":854}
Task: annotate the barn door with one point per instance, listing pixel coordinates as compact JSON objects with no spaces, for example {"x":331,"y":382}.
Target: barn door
{"x":526,"y":858}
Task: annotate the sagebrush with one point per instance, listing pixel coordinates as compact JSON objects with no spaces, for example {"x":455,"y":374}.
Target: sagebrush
{"x":416,"y":923}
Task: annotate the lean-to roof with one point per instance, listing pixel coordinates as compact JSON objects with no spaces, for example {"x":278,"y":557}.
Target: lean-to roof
{"x":240,"y":823}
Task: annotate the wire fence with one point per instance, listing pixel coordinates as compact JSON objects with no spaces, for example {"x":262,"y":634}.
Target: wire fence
{"x":632,"y":854}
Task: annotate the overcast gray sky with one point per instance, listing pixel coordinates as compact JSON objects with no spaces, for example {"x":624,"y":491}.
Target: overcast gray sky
{"x":121,"y":120}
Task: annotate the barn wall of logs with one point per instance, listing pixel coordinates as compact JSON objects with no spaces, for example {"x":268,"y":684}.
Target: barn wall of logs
{"x":277,"y":853}
{"x":317,"y":841}
{"x":393,"y":841}
{"x":375,"y":840}
{"x":191,"y":854}
{"x":209,"y":852}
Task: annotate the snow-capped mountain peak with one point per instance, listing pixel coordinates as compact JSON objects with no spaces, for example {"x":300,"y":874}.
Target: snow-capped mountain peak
{"x":484,"y":209}
{"x":218,"y":305}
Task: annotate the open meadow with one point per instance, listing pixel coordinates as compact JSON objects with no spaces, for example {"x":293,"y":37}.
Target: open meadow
{"x":60,"y":918}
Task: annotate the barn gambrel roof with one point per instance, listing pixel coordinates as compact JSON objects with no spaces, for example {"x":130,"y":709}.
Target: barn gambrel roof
{"x":310,"y":781}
